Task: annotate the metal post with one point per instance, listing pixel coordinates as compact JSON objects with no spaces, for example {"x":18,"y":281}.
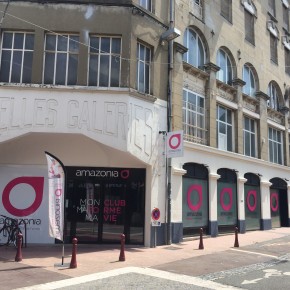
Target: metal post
{"x":169,"y":127}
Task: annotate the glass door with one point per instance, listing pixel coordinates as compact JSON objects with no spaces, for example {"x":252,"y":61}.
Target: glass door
{"x":83,"y":211}
{"x":114,"y":210}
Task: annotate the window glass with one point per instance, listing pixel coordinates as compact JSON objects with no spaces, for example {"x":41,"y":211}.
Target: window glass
{"x":275,"y":146}
{"x":194,"y":117}
{"x":104,"y":63}
{"x":143,"y":68}
{"x":248,"y":77}
{"x":224,"y":129}
{"x":16,"y":57}
{"x":196,"y":53}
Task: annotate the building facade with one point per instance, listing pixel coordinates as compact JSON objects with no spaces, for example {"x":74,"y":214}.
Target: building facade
{"x":97,"y":84}
{"x":231,"y":98}
{"x":84,"y":81}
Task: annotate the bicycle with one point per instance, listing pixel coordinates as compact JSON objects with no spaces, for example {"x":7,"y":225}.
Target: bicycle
{"x":9,"y":232}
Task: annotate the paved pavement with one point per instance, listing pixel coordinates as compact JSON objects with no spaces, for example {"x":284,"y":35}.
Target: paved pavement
{"x":176,"y":266}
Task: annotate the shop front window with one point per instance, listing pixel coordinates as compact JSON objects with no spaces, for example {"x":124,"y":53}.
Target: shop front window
{"x":103,"y":203}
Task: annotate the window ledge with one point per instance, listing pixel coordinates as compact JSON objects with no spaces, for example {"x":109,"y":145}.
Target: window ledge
{"x":61,"y":87}
{"x":142,"y":96}
{"x":226,"y":87}
{"x":195,"y":71}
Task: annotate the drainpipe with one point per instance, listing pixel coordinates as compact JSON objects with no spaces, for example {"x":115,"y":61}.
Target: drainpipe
{"x":169,"y":125}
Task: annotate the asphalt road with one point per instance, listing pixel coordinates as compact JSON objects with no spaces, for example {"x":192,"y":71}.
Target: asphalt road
{"x":261,"y":266}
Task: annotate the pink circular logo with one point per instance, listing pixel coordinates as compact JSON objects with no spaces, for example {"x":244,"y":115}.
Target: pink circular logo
{"x":274,"y":197}
{"x":229,"y":191}
{"x":125,"y":173}
{"x":198,"y":189}
{"x":174,"y":141}
{"x":254,"y":194}
{"x":36,"y":183}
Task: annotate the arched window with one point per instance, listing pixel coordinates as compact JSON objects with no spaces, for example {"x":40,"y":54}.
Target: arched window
{"x":248,"y":76}
{"x":196,"y":53}
{"x":225,"y":74}
{"x":273,"y":102}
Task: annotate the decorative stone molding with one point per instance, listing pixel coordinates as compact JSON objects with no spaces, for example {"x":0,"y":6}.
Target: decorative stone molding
{"x":286,"y":41}
{"x":211,"y":67}
{"x":262,"y":95}
{"x":273,"y":28}
{"x":238,"y":82}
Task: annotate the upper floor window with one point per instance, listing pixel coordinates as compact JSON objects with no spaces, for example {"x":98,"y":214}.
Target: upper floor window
{"x":16,"y":57}
{"x":250,"y":137}
{"x":248,"y":77}
{"x":286,"y":16}
{"x":250,"y":14}
{"x":143,"y":68}
{"x":195,"y":7}
{"x":274,"y":98}
{"x":225,"y":73}
{"x":61,"y":59}
{"x":273,"y":48}
{"x":271,"y":7}
{"x":226,"y":9}
{"x":196,"y":53}
{"x":275,"y":146}
{"x":194,"y":117}
{"x":274,"y":36}
{"x":224,"y":129}
{"x":287,"y":60}
{"x":147,"y":4}
{"x":104,"y":61}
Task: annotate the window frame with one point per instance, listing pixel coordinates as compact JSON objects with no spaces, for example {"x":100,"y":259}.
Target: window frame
{"x":276,"y":154}
{"x":252,"y":139}
{"x":56,"y":53}
{"x":273,"y":48}
{"x":146,"y":4}
{"x":226,"y":10}
{"x":96,"y":54}
{"x":287,"y":60}
{"x":198,"y":59}
{"x":144,"y":62}
{"x":226,"y":75}
{"x":272,"y":7}
{"x":285,"y":16}
{"x":249,"y":78}
{"x":227,"y":126}
{"x":249,"y":27}
{"x":193,"y":114}
{"x":273,"y":102}
{"x":14,"y":74}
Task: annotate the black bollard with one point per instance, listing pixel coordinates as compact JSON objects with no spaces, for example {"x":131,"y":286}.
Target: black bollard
{"x":122,"y":251}
{"x":18,"y":257}
{"x":201,"y":247}
{"x":236,"y":245}
{"x":73,"y":262}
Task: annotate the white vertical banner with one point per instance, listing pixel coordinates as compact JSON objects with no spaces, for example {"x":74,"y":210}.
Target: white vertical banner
{"x":56,"y":179}
{"x":174,"y":144}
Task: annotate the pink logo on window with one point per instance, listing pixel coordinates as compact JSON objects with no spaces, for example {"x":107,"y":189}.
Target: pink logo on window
{"x":229,"y":191}
{"x":254,"y":194}
{"x":274,"y":197}
{"x":198,"y":189}
{"x":37,"y":183}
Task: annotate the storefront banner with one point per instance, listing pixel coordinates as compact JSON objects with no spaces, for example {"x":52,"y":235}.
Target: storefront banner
{"x":56,"y":178}
{"x":24,"y":196}
{"x":174,"y":146}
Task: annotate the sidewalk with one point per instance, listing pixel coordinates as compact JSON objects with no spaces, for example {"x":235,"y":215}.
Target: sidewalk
{"x":46,"y":259}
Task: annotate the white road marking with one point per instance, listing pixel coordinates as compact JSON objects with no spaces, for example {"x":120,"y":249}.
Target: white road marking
{"x":251,"y":281}
{"x":145,"y":271}
{"x":256,"y":253}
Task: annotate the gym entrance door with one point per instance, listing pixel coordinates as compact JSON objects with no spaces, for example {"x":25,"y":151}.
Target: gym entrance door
{"x":103,"y":203}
